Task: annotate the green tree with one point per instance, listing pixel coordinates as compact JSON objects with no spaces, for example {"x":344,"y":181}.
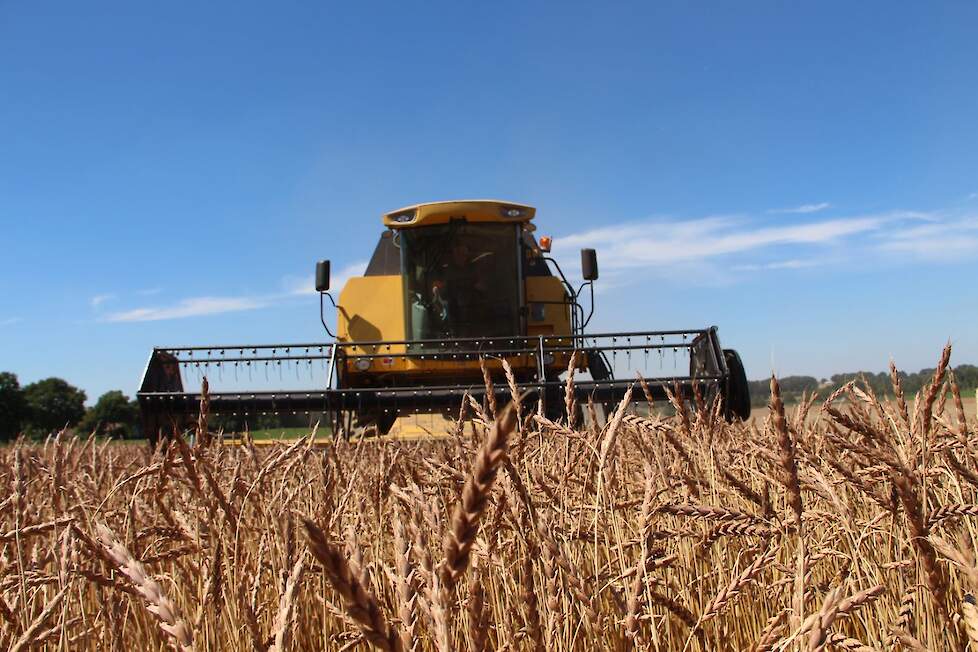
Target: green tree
{"x":113,"y":415}
{"x":13,"y":407}
{"x":52,"y":404}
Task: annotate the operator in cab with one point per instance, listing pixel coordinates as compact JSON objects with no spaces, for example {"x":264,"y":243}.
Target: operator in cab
{"x":460,"y":291}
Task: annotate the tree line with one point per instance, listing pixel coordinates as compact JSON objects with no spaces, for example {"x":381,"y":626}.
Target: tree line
{"x":38,"y":409}
{"x":49,"y":405}
{"x":793,"y":387}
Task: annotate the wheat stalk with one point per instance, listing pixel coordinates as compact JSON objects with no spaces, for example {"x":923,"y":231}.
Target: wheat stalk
{"x":359,"y":603}
{"x":157,"y":603}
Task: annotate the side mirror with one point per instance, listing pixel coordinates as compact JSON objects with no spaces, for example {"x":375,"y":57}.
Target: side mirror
{"x":322,"y":276}
{"x":589,"y":264}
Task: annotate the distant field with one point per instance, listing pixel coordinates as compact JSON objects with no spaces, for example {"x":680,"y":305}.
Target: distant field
{"x":285,"y":433}
{"x":969,"y":408}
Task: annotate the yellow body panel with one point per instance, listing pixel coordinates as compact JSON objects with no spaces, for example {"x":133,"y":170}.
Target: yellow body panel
{"x":371,"y":308}
{"x":473,"y":210}
{"x":556,"y":319}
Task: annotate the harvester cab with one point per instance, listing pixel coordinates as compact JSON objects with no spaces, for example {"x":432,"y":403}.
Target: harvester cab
{"x":453,"y":293}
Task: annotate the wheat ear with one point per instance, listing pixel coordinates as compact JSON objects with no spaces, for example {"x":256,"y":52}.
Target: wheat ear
{"x":969,"y":613}
{"x":156,"y":601}
{"x":31,"y":635}
{"x":405,"y":586}
{"x":475,"y":496}
{"x":360,"y":605}
{"x":286,"y":605}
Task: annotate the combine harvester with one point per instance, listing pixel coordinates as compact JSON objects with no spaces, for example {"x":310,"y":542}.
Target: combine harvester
{"x":449,"y":284}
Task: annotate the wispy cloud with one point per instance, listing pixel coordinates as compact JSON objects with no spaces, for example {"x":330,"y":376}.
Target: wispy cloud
{"x":662,"y":243}
{"x":193,"y":307}
{"x":727,"y":249}
{"x":948,"y":241}
{"x":99,"y":299}
{"x":304,"y":285}
{"x":803,"y":209}
{"x":10,"y":321}
{"x":779,"y":264}
{"x":293,"y":286}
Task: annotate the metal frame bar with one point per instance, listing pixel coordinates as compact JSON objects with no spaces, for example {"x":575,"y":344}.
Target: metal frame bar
{"x":467,"y":354}
{"x":394,"y":397}
{"x":442,"y":342}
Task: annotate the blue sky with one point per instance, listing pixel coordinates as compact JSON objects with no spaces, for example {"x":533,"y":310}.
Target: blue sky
{"x":805,"y":176}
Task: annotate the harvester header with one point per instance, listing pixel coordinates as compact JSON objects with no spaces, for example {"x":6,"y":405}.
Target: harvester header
{"x":452,"y":291}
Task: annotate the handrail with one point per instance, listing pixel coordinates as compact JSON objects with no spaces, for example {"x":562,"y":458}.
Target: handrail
{"x":444,"y":354}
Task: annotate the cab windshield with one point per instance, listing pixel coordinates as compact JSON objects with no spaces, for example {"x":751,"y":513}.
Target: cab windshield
{"x":461,"y":280}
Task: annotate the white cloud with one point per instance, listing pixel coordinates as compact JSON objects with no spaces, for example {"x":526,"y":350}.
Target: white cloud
{"x":780,"y":264}
{"x":294,"y":286}
{"x":194,"y":307}
{"x":722,"y":250}
{"x":661,"y":243}
{"x":941,"y":241}
{"x":304,"y":285}
{"x":99,"y":299}
{"x":803,"y":209}
{"x":10,"y":321}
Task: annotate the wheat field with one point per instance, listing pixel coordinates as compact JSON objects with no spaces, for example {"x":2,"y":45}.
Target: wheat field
{"x":846,"y":523}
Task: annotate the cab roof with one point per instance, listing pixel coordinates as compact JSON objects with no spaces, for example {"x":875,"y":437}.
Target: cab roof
{"x":471,"y":210}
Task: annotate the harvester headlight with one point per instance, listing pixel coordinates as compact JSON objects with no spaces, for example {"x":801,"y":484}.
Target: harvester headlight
{"x":512,"y":211}
{"x":362,"y":364}
{"x":403,"y":218}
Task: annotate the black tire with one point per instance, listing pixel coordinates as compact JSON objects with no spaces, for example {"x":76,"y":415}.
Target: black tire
{"x":385,"y":421}
{"x":738,"y":391}
{"x":596,"y":365}
{"x":600,"y":371}
{"x":382,"y":420}
{"x":151,"y":428}
{"x":554,"y":404}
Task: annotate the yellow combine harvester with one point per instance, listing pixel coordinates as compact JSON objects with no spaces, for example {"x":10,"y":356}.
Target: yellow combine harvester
{"x":452,"y":287}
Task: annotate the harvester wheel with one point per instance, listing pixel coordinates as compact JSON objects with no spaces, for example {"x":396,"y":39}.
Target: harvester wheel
{"x":554,"y":405}
{"x":738,"y":391}
{"x":382,"y":420}
{"x":385,"y":421}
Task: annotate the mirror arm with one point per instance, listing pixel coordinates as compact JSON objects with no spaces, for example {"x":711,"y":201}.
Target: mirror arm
{"x":590,"y":314}
{"x":322,"y":316}
{"x":567,"y":285}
